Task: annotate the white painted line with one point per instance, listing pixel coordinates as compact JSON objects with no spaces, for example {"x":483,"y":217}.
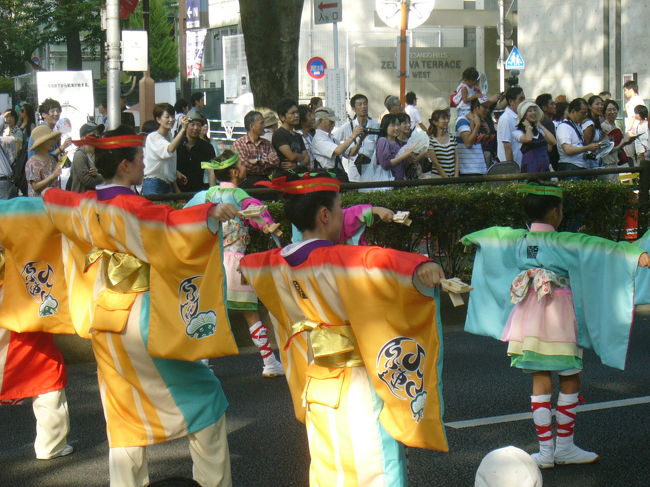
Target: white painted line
{"x":507,"y":418}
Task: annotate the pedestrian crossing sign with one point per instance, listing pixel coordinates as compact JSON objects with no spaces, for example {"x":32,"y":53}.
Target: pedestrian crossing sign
{"x":515,"y":61}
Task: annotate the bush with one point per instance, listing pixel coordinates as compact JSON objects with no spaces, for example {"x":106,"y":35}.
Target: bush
{"x":443,"y":214}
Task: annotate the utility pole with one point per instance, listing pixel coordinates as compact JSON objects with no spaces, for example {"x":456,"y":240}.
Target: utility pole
{"x":146,"y":84}
{"x":113,"y":62}
{"x":402,"y":50}
{"x":182,"y":39}
{"x":502,"y":48}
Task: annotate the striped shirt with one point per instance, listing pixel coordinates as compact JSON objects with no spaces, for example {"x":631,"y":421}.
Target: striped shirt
{"x":472,"y":160}
{"x":446,"y":154}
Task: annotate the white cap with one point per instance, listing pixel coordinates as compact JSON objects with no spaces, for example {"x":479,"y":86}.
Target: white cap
{"x":508,"y":467}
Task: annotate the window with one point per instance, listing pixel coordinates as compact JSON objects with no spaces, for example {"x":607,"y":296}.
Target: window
{"x":214,"y":46}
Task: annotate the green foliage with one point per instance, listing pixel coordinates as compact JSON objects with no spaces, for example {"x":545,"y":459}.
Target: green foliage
{"x":163,"y":46}
{"x":6,"y":85}
{"x":27,"y":25}
{"x":441,"y":215}
{"x":20,"y":24}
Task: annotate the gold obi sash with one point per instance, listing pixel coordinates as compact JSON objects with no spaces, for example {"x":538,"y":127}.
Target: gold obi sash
{"x":334,"y":346}
{"x":125,"y":276}
{"x":2,"y":266}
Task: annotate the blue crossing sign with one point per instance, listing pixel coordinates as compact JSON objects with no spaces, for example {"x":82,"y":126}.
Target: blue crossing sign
{"x":515,"y":61}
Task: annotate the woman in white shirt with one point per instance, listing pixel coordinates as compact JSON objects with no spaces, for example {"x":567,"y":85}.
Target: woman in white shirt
{"x":160,"y":172}
{"x":591,"y":127}
{"x":641,"y":132}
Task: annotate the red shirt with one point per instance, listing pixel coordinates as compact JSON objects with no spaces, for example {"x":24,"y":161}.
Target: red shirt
{"x":262,"y":152}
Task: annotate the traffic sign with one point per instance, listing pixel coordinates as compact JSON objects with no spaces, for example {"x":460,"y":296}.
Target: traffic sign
{"x":515,"y":60}
{"x":316,"y":67}
{"x":328,"y":11}
{"x":36,"y":60}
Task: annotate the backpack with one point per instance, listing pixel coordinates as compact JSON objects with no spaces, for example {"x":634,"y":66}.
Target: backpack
{"x":457,"y":96}
{"x":452,"y":99}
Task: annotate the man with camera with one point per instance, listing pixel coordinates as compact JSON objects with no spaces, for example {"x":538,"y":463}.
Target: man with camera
{"x":326,"y":149}
{"x":570,"y":140}
{"x":361,"y":167}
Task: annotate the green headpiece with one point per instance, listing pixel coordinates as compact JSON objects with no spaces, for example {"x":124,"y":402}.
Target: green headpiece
{"x":541,"y":189}
{"x":217,"y":165}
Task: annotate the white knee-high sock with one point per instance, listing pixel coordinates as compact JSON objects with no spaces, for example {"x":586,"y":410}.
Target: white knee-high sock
{"x":259,"y":335}
{"x":541,"y":406}
{"x":565,"y":416}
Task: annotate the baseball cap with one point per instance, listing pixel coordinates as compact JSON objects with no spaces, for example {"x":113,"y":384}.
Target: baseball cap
{"x":90,"y":127}
{"x":325,"y":113}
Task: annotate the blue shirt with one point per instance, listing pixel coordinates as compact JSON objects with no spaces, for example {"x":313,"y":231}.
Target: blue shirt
{"x":471,"y":159}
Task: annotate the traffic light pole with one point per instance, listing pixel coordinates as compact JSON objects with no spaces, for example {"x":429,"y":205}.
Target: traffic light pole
{"x":113,"y":62}
{"x":402,"y":50}
{"x":502,"y":48}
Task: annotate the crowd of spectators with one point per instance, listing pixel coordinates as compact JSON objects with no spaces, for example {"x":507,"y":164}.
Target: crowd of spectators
{"x":466,"y":135}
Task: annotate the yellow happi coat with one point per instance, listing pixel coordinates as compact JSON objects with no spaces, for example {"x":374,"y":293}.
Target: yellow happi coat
{"x":35,"y":292}
{"x":145,"y":282}
{"x":176,"y":247}
{"x":348,"y":306}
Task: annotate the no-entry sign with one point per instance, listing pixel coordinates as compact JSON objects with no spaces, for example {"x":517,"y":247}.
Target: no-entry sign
{"x":316,"y":67}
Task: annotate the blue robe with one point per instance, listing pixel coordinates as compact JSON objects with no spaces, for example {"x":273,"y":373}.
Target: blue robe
{"x":601,"y":272}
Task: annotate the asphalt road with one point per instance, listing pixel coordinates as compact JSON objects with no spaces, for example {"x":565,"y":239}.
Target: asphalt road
{"x":269,"y":448}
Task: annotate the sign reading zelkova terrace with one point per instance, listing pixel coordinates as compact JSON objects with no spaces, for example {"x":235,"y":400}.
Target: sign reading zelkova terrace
{"x":434,"y":72}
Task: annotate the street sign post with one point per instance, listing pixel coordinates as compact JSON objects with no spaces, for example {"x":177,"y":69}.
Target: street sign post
{"x":328,"y":11}
{"x":316,"y":67}
{"x":515,"y":60}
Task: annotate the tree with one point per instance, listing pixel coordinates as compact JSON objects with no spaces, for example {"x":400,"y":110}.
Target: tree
{"x":163,"y":47}
{"x":20,"y":24}
{"x":72,"y":20}
{"x":271,"y":35}
{"x":27,"y":25}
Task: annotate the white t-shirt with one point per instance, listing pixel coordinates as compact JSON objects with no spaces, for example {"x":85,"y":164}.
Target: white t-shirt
{"x":322,"y":147}
{"x":565,"y":134}
{"x":505,"y":128}
{"x":158,"y":163}
{"x":629,"y":110}
{"x":414,"y":113}
{"x":463,"y":108}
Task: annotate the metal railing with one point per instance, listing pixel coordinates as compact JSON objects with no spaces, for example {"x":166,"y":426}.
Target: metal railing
{"x":643,"y":187}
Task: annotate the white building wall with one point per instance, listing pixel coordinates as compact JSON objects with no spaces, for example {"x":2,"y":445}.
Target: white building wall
{"x":562,"y":45}
{"x":634,"y":40}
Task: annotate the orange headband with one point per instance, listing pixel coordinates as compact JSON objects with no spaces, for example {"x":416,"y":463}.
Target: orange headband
{"x":107,"y":143}
{"x":305,"y":185}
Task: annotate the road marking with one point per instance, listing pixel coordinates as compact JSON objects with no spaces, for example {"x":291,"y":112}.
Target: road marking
{"x":507,"y":418}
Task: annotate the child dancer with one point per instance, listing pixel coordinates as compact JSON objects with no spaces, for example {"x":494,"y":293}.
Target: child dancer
{"x":559,"y":308}
{"x":230,"y":170}
{"x":356,"y":219}
{"x":148,"y":279}
{"x":359,"y":333}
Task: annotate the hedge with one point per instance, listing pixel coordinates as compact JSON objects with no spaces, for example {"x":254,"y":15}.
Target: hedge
{"x":442,"y":214}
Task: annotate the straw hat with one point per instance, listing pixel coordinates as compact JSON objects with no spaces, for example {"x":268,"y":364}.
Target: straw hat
{"x":42,"y":134}
{"x":439,"y":104}
{"x":270,"y":118}
{"x":523,"y":108}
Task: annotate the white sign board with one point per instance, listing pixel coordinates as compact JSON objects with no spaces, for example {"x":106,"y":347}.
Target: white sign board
{"x":235,"y":67}
{"x":134,"y":50}
{"x":74,"y":91}
{"x":328,"y":11}
{"x":335,"y":93}
{"x":515,"y":60}
{"x":165,"y":92}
